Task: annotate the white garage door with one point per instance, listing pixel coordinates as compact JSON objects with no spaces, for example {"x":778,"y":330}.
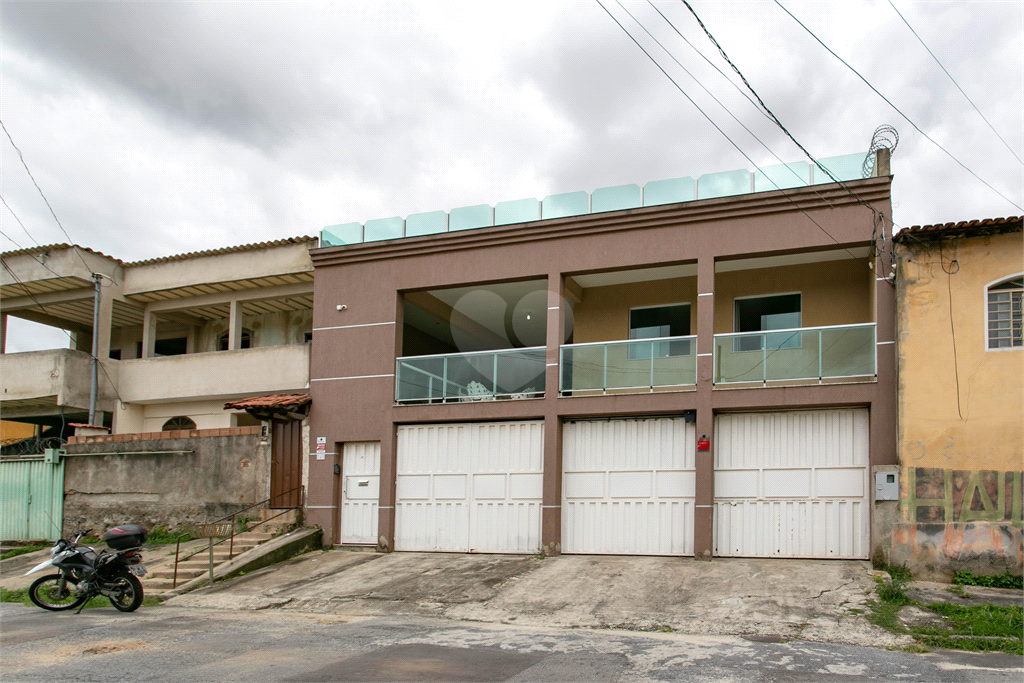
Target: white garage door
{"x":360,"y":470}
{"x":792,"y":484}
{"x":628,"y":487}
{"x":473,"y":487}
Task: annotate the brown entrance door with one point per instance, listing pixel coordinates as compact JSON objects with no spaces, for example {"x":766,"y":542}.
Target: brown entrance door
{"x":286,"y":464}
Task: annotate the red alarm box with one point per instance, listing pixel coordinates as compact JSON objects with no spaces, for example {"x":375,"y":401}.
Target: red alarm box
{"x":704,"y":444}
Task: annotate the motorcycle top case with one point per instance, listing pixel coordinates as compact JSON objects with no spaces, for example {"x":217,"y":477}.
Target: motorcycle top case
{"x":125,"y":536}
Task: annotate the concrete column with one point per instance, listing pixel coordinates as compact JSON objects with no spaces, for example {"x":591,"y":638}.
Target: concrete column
{"x":235,"y":326}
{"x":388,"y":478}
{"x":884,"y":410}
{"x":705,"y":476}
{"x":551,"y":510}
{"x":3,"y":333}
{"x":190,"y":339}
{"x":149,"y":323}
{"x":106,"y":318}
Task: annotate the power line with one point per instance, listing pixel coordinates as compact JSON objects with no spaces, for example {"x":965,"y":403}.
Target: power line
{"x":41,"y":194}
{"x":954,"y":81}
{"x":710,"y":63}
{"x":712,"y":95}
{"x":887,"y":101}
{"x":727,"y":110}
{"x":19,"y":222}
{"x":712,"y":122}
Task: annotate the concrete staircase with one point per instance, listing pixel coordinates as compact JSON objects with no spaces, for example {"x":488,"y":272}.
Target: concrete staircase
{"x":161,"y":577}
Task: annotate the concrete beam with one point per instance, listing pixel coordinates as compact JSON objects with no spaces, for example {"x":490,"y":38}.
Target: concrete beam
{"x":258,"y":294}
{"x":573,"y":291}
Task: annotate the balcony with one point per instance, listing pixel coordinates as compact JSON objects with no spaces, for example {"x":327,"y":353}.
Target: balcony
{"x":628,"y":366}
{"x":46,"y":382}
{"x":215,"y":374}
{"x":476,"y":376}
{"x":796,"y":356}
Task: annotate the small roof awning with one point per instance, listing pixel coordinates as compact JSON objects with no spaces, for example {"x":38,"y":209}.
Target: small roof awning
{"x":274,"y":406}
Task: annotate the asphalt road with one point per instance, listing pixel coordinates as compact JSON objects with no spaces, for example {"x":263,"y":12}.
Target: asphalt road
{"x":187,"y":644}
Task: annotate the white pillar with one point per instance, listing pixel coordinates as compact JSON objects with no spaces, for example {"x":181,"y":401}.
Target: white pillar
{"x":235,"y":326}
{"x":106,"y":318}
{"x":149,"y":323}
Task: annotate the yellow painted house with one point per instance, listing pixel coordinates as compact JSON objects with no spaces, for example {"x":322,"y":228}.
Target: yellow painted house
{"x":960,"y":384}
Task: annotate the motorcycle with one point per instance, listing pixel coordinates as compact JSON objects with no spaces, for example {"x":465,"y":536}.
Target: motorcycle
{"x":84,"y":573}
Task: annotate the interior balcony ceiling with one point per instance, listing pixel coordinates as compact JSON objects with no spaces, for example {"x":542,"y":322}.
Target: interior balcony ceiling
{"x":227,"y":288}
{"x":35,"y":287}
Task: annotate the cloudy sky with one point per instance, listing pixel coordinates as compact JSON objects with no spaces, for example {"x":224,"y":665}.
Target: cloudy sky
{"x":164,"y":127}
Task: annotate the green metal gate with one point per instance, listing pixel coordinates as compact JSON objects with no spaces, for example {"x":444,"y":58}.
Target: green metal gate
{"x":31,"y":500}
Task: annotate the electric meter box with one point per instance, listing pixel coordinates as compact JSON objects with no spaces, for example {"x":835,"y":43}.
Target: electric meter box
{"x":887,"y":485}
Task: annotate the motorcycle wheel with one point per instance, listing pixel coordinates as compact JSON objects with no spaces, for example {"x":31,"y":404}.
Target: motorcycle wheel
{"x":129,"y":591}
{"x":49,"y":593}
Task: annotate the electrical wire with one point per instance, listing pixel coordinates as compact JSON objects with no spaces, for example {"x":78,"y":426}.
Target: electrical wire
{"x":710,"y":63}
{"x":712,"y":122}
{"x":41,"y":194}
{"x":887,"y":101}
{"x":950,"y":272}
{"x":19,"y":222}
{"x":727,"y":110}
{"x":921,"y":40}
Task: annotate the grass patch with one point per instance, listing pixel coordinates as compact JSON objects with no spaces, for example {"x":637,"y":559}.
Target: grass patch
{"x":978,"y":628}
{"x":1004,"y":580}
{"x":14,"y":552}
{"x":162,"y":536}
{"x":20,"y":595}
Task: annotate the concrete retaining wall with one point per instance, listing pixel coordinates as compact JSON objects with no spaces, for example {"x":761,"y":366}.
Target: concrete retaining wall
{"x":138,"y":481}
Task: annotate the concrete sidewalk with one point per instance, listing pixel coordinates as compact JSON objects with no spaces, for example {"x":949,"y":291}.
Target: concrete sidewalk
{"x":771,"y":600}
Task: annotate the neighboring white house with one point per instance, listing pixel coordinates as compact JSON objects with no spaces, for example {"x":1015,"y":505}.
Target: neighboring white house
{"x":178,"y":336}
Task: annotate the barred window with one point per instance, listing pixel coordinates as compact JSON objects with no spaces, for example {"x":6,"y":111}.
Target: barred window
{"x":1004,"y":314}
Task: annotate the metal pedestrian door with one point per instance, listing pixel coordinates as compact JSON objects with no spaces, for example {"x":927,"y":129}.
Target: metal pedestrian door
{"x":31,"y":500}
{"x":286,"y":465}
{"x":360,"y":467}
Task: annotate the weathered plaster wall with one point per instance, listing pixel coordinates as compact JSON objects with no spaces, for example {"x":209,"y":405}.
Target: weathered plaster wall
{"x":219,"y":476}
{"x":961,"y":436}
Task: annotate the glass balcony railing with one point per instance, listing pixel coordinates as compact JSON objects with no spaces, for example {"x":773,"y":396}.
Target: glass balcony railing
{"x":806,"y":353}
{"x":476,"y":376}
{"x":623,"y":365}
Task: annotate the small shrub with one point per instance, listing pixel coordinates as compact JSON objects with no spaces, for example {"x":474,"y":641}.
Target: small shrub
{"x":1005,"y":580}
{"x":892,"y":592}
{"x":161,"y":536}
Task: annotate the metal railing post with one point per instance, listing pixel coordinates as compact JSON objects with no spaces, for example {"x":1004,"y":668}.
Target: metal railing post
{"x":764,"y":359}
{"x":819,"y":357}
{"x":494,"y":377}
{"x":177,"y":549}
{"x":652,"y":367}
{"x":604,"y":382}
{"x":444,"y":378}
{"x":231,"y":543}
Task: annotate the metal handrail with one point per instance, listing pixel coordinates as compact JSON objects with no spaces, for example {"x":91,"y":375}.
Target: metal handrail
{"x":231,"y":538}
{"x":476,"y":353}
{"x":793,"y":329}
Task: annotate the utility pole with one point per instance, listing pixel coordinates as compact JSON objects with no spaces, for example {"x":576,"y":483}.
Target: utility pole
{"x":95,"y":349}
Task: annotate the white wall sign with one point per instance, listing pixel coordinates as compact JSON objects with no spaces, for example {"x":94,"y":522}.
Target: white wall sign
{"x":321,"y":448}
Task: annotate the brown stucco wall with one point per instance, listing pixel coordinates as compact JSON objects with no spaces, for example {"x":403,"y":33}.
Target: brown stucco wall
{"x":603,"y":314}
{"x":961,"y":438}
{"x":832,"y":293}
{"x":220,"y":475}
{"x":353,"y":362}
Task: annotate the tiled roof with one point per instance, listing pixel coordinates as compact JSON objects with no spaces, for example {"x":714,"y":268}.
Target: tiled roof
{"x":271,"y":401}
{"x":53,"y":247}
{"x":975,"y":228}
{"x":224,"y":250}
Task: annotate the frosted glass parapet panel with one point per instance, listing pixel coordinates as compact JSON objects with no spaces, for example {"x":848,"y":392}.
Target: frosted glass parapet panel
{"x":568,"y":204}
{"x":848,"y":351}
{"x":426,"y":224}
{"x":518,"y":211}
{"x":469,"y":217}
{"x":671,"y":191}
{"x":346,"y":233}
{"x":615,"y":198}
{"x":846,"y":167}
{"x":384,"y":229}
{"x":782,"y":176}
{"x":724,"y":184}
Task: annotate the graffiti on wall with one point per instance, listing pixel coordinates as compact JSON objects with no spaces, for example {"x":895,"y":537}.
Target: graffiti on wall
{"x":939,"y":496}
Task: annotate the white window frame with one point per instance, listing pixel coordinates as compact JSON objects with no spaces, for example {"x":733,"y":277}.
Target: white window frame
{"x":736,"y":319}
{"x":984,"y":296}
{"x":629,"y":329}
